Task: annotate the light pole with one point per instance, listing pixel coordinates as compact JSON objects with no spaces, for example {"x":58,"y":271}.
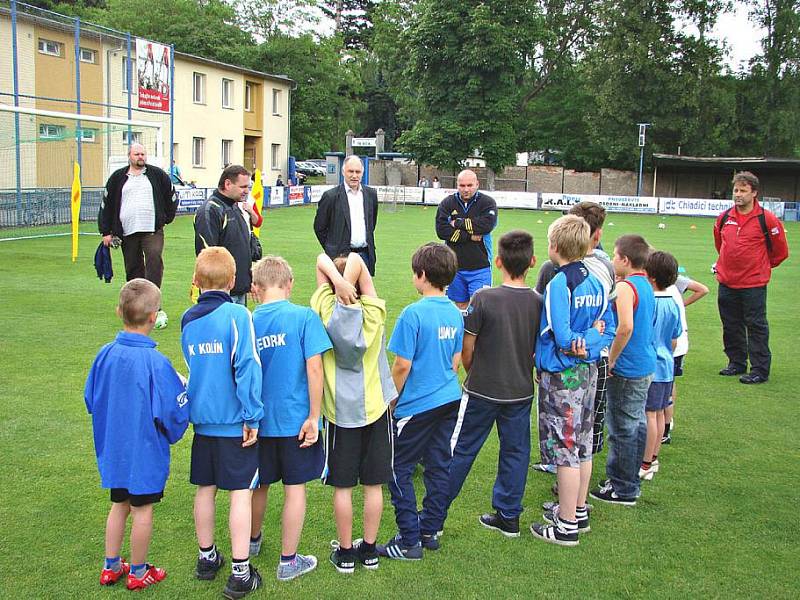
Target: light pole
{"x":642,"y":131}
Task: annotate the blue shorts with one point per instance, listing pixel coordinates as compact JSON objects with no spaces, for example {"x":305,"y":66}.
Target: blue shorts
{"x":282,"y":459}
{"x":466,"y":283}
{"x":658,"y":395}
{"x":221,"y":461}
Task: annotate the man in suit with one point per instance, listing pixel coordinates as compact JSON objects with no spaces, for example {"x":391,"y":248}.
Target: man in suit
{"x":347,"y":214}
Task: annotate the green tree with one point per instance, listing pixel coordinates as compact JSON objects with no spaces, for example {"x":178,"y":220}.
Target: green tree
{"x":773,"y":87}
{"x":643,"y":69}
{"x":352,"y":20}
{"x":207,"y":28}
{"x":476,"y":65}
{"x":327,"y":99}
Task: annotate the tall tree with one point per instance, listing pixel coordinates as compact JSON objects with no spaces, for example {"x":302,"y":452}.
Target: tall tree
{"x":327,"y":99}
{"x":643,"y":68}
{"x":475,"y":65}
{"x":207,"y":28}
{"x":775,"y":73}
{"x":352,"y":20}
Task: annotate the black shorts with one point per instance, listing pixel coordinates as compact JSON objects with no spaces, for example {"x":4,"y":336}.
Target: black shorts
{"x":362,"y":454}
{"x":223,"y":462}
{"x":282,"y":459}
{"x":123,"y":495}
{"x":679,"y":365}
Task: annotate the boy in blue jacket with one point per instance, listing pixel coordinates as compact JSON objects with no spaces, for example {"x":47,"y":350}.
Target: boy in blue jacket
{"x":576,"y":324}
{"x":290,"y":340}
{"x":224,"y":390}
{"x":138,"y":407}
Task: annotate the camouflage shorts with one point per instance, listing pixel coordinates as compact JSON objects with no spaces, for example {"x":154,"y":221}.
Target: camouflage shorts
{"x":566,"y":414}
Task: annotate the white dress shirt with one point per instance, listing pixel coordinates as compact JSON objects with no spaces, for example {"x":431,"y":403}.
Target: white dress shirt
{"x":358,"y":224}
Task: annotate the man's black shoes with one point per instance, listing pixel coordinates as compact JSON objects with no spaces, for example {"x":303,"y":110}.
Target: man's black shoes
{"x":752,"y":378}
{"x":732,"y":370}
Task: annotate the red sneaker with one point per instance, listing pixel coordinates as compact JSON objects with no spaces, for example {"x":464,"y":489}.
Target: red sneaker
{"x":110,"y":577}
{"x":151,"y":575}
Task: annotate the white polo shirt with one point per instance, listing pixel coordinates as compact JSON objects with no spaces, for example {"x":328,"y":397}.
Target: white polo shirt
{"x":358,"y":225}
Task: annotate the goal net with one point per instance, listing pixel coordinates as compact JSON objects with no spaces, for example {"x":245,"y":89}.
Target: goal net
{"x":38,"y":150}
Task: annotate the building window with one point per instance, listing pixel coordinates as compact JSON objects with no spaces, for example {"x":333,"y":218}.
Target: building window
{"x":198,"y":89}
{"x":125,"y":71}
{"x":276,"y":102}
{"x":88,"y":55}
{"x":136,"y":137}
{"x":51,"y":132}
{"x":248,"y":97}
{"x":87,"y":135}
{"x":198,"y":151}
{"x":227,"y":93}
{"x":49,"y":47}
{"x":227,"y":148}
{"x":276,"y":156}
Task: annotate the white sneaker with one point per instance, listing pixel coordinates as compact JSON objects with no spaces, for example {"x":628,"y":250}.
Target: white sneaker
{"x":648,"y":474}
{"x":161,"y":320}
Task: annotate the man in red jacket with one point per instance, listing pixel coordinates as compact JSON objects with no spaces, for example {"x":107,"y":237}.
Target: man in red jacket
{"x":751,"y":242}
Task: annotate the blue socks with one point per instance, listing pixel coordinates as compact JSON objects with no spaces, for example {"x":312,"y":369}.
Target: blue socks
{"x":114,"y":563}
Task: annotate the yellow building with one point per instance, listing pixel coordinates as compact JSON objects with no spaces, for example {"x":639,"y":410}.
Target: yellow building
{"x":223,"y":113}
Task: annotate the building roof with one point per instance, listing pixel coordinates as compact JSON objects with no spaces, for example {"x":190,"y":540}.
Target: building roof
{"x":215,"y":63}
{"x":726,"y":162}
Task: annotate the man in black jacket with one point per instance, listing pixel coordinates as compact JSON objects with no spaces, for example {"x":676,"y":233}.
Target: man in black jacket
{"x":138,"y":201}
{"x":346,"y":216}
{"x":220,"y":222}
{"x":465,"y":220}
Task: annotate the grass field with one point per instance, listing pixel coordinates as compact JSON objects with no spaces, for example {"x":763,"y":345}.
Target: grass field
{"x":717,"y":520}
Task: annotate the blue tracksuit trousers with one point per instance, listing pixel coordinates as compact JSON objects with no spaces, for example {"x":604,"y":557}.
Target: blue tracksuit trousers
{"x":422,"y":438}
{"x":475,"y":421}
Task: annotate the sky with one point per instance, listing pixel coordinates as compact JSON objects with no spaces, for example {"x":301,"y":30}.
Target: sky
{"x":742,"y":37}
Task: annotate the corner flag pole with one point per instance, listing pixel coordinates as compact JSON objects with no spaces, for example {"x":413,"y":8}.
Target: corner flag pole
{"x":76,"y":208}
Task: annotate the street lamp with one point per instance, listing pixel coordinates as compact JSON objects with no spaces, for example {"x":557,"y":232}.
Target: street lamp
{"x":642,"y":131}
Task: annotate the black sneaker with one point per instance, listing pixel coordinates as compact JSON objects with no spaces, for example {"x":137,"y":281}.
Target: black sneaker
{"x":667,"y":439}
{"x":369,"y":559}
{"x":430,"y":541}
{"x":606,"y":493}
{"x":239,"y":588}
{"x":206,"y":570}
{"x":551,"y":517}
{"x":508,"y":527}
{"x":555,"y":534}
{"x":345,"y":562}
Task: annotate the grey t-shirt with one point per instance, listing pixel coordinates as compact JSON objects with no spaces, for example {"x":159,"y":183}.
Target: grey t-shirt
{"x":505,"y":320}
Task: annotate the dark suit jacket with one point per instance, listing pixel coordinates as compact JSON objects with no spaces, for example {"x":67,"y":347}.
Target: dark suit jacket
{"x":332,"y":222}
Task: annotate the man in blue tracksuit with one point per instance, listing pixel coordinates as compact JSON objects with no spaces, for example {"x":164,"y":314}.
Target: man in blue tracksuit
{"x":465,"y":221}
{"x":225,"y":408}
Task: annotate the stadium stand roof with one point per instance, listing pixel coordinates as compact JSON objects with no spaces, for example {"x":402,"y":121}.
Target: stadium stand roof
{"x":732,"y":162}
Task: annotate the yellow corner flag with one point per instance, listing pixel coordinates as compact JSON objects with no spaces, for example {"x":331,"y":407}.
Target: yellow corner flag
{"x":258,"y":196}
{"x":76,"y":208}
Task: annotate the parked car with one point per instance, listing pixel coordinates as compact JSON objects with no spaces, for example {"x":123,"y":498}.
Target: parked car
{"x":309,"y":168}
